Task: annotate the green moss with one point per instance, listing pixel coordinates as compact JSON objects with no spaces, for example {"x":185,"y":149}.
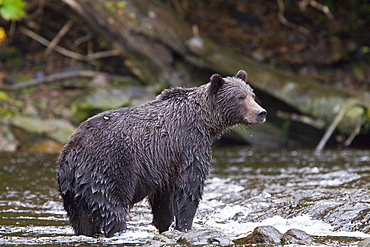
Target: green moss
{"x":113,"y":6}
{"x":82,"y":111}
{"x":9,"y":106}
{"x":121,"y":4}
{"x":109,"y":5}
{"x":12,"y":55}
{"x":57,"y":129}
{"x":143,"y":69}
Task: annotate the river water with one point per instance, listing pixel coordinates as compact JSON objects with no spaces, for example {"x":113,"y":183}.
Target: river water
{"x":327,"y":196}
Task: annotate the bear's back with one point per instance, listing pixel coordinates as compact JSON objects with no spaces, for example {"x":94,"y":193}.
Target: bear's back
{"x":171,"y":118}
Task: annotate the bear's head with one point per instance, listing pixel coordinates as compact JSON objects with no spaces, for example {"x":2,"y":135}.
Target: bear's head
{"x":235,"y":100}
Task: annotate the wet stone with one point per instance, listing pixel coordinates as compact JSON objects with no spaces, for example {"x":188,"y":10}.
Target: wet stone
{"x":365,"y":243}
{"x":204,"y":237}
{"x":197,"y":237}
{"x":261,"y":235}
{"x":296,"y":236}
{"x":168,"y":237}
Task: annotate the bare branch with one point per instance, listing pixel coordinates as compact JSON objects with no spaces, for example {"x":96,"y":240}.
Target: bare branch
{"x":303,"y":4}
{"x":286,"y":23}
{"x":69,"y":53}
{"x":54,"y":77}
{"x":317,"y":123}
{"x":341,"y":114}
{"x":58,"y":37}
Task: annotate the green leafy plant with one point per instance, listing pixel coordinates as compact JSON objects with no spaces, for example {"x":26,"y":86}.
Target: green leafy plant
{"x":12,"y":9}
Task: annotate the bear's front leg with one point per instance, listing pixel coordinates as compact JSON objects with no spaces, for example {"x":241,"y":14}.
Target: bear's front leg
{"x":187,"y":195}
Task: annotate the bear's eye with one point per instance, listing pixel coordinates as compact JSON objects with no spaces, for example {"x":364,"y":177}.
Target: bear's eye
{"x":241,"y":97}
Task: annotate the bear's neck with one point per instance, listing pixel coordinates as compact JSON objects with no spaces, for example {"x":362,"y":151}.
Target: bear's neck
{"x":207,"y":111}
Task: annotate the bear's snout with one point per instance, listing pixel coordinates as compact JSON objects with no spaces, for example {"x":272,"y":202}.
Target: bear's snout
{"x":261,"y":115}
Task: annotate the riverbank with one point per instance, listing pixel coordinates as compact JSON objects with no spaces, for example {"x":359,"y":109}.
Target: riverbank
{"x":304,"y":80}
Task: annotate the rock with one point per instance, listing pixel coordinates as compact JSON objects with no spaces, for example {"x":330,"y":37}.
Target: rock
{"x":8,"y":142}
{"x":168,"y":237}
{"x":110,"y":98}
{"x":41,"y":135}
{"x":199,"y":237}
{"x":261,"y":235}
{"x":99,"y":81}
{"x":57,"y":129}
{"x":365,"y":243}
{"x":107,"y":99}
{"x":43,"y":146}
{"x":172,"y":234}
{"x":295,"y":236}
{"x":205,"y":237}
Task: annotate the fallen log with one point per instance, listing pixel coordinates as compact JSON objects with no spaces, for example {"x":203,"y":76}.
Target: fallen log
{"x":154,"y":41}
{"x":149,"y":30}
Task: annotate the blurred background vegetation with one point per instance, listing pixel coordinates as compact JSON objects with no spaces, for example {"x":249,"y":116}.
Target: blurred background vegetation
{"x":63,"y":61}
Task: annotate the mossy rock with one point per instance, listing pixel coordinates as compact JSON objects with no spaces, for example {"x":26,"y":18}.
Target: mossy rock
{"x":43,"y":146}
{"x":107,"y":99}
{"x":56,"y":129}
{"x":8,"y":141}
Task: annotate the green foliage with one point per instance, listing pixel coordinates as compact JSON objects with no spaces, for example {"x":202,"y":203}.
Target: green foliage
{"x":9,"y":106}
{"x":12,"y":9}
{"x":114,"y":6}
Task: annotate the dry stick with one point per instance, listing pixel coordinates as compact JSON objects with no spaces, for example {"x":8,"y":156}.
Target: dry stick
{"x":99,"y":23}
{"x":303,"y":4}
{"x":68,"y":53}
{"x":74,"y":5}
{"x":317,"y":123}
{"x":285,"y":22}
{"x":354,"y":133}
{"x":46,"y":42}
{"x":335,"y":123}
{"x":58,"y":37}
{"x":81,"y":40}
{"x":54,"y":77}
{"x":178,"y":7}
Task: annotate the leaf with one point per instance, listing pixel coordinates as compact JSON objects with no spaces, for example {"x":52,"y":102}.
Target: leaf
{"x":2,"y":35}
{"x":4,"y":96}
{"x":12,"y":9}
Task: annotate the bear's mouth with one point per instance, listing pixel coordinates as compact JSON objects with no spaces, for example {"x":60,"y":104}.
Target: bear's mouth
{"x":255,"y":122}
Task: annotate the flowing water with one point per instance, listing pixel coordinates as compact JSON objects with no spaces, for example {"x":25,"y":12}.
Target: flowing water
{"x":327,"y":196}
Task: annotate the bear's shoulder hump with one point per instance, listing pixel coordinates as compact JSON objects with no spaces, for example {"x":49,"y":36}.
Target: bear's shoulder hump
{"x":177,"y":92}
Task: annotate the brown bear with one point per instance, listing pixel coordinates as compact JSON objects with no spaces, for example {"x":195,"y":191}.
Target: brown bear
{"x":160,"y":150}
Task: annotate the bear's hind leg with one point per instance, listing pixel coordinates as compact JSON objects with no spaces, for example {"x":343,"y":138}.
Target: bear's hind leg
{"x":98,"y":214}
{"x":83,"y":224}
{"x":115,"y":222}
{"x":81,"y":219}
{"x":90,"y":223}
{"x":162,"y":209}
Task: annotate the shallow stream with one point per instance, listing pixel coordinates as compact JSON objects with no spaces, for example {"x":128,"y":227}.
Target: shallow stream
{"x":327,"y":196}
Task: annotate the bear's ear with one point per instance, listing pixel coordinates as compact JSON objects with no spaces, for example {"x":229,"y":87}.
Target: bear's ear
{"x":241,"y":75}
{"x":216,"y":83}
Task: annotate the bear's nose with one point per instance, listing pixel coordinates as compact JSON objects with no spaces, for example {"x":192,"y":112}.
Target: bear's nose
{"x":261,"y":114}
